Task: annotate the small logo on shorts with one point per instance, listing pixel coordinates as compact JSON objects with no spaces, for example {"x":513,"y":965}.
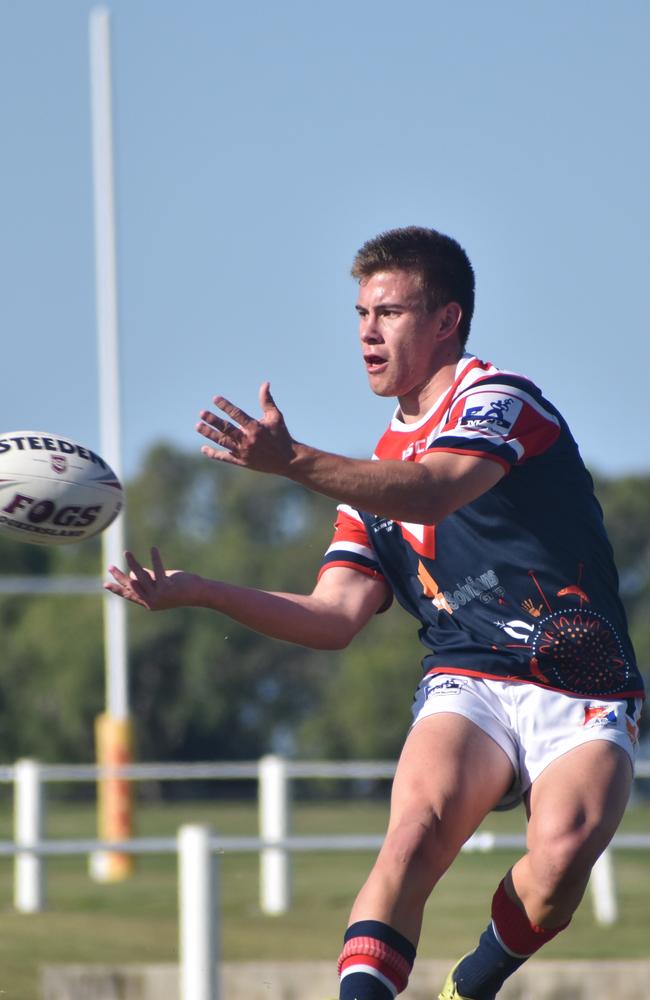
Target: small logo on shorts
{"x":596,"y":715}
{"x":448,"y":686}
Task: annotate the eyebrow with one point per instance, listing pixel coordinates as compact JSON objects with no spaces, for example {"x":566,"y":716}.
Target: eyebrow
{"x":382,"y":305}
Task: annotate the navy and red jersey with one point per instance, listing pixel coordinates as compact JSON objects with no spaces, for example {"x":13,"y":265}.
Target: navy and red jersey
{"x":519,"y":584}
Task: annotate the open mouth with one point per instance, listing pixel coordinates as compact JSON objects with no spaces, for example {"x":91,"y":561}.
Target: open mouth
{"x":374,"y":362}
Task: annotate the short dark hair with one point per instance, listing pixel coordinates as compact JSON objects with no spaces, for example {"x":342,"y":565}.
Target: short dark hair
{"x":444,"y":269}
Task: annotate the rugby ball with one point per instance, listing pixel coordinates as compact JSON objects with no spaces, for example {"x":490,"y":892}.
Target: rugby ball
{"x":53,"y":491}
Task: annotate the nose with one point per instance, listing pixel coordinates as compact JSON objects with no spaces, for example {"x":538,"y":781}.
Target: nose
{"x":368,"y":329}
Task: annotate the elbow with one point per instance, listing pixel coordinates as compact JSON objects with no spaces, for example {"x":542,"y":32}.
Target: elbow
{"x":429,"y":514}
{"x":334,"y":641}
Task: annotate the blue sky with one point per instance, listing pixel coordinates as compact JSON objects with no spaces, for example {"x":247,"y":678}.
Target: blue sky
{"x":258,"y":145}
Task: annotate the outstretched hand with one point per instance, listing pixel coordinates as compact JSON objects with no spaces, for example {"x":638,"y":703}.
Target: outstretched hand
{"x":264,"y":445}
{"x":156,"y":589}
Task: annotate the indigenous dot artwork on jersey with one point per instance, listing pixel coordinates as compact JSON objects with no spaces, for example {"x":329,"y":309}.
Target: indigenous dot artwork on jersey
{"x":579,"y":651}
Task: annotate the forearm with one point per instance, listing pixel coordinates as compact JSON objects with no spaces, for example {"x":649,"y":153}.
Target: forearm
{"x":420,"y":492}
{"x":401,"y":491}
{"x":302,"y":619}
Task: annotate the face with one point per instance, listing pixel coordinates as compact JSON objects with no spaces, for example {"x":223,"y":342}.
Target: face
{"x":404,"y":346}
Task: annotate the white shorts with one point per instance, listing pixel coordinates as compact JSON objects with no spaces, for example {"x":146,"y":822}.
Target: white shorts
{"x":531,"y":725}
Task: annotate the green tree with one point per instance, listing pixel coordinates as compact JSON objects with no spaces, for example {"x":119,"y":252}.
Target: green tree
{"x":51,"y":684}
{"x":626,"y":505}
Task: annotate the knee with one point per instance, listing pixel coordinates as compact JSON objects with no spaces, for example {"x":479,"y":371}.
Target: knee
{"x":418,"y":844}
{"x":563,"y":857}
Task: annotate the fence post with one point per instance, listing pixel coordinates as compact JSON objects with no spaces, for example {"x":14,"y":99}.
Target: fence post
{"x":198,"y":932}
{"x":603,"y":889}
{"x":275,"y":876}
{"x":29,"y":884}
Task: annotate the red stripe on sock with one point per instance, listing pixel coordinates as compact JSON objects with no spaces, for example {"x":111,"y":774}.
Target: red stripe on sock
{"x":373,"y":963}
{"x":515,"y":929}
{"x":380,"y":956}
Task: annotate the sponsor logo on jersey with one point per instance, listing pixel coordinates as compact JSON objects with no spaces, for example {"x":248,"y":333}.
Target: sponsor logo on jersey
{"x":383,"y":524}
{"x":415,"y":448}
{"x":495,"y":413}
{"x":484,"y":588}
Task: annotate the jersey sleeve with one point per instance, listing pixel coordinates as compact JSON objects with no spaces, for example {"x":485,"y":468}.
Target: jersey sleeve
{"x":351,"y":546}
{"x":505,"y":419}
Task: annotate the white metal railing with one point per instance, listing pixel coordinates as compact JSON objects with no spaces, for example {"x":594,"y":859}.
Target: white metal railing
{"x":232,"y":770}
{"x":274,"y":842}
{"x":70,"y":585}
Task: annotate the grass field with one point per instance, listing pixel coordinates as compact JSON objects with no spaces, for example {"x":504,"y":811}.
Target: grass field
{"x":136,"y":921}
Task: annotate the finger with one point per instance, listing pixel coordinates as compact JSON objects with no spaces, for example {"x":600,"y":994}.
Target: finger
{"x":125,"y":590}
{"x":219,"y":430}
{"x":231,"y":447}
{"x":266,"y":399}
{"x":223,"y":426}
{"x":221,"y":456}
{"x":233,"y":411}
{"x":138,"y":572}
{"x":122,"y":590}
{"x":157,"y":563}
{"x":121,"y":577}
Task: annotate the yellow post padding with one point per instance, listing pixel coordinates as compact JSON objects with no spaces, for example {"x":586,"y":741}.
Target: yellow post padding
{"x":114,"y":745}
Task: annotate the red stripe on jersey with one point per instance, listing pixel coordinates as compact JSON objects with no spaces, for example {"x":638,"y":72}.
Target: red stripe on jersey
{"x":475,"y":454}
{"x":534,"y":434}
{"x":511,"y":679}
{"x":350,"y":529}
{"x":374,"y":573}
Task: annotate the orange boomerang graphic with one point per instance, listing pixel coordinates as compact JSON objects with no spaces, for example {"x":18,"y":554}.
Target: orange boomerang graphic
{"x":573,"y":592}
{"x":431,"y":589}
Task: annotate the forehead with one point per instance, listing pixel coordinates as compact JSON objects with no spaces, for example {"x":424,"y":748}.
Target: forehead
{"x":402,"y":287}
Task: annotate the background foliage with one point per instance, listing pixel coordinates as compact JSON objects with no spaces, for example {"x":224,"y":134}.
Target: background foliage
{"x":204,"y":687}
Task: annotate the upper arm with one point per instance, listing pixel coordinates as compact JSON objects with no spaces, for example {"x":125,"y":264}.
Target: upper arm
{"x":457,"y":479}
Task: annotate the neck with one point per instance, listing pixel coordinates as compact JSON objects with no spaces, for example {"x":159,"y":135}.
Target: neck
{"x":415,"y":404}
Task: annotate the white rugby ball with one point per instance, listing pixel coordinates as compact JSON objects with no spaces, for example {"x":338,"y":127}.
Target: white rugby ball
{"x":53,"y":491}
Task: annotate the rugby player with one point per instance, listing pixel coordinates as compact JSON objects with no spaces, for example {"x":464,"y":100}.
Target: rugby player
{"x":478,"y":515}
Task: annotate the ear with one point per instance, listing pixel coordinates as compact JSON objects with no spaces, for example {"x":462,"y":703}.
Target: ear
{"x":449,"y":317}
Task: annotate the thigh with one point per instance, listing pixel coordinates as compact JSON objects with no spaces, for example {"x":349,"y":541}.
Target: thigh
{"x":580,"y":798}
{"x":449,"y":776}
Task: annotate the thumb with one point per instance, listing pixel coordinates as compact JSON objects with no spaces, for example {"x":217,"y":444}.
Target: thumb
{"x":266,"y":399}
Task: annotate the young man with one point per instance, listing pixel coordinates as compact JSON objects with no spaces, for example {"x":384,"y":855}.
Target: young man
{"x":477,"y":513}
